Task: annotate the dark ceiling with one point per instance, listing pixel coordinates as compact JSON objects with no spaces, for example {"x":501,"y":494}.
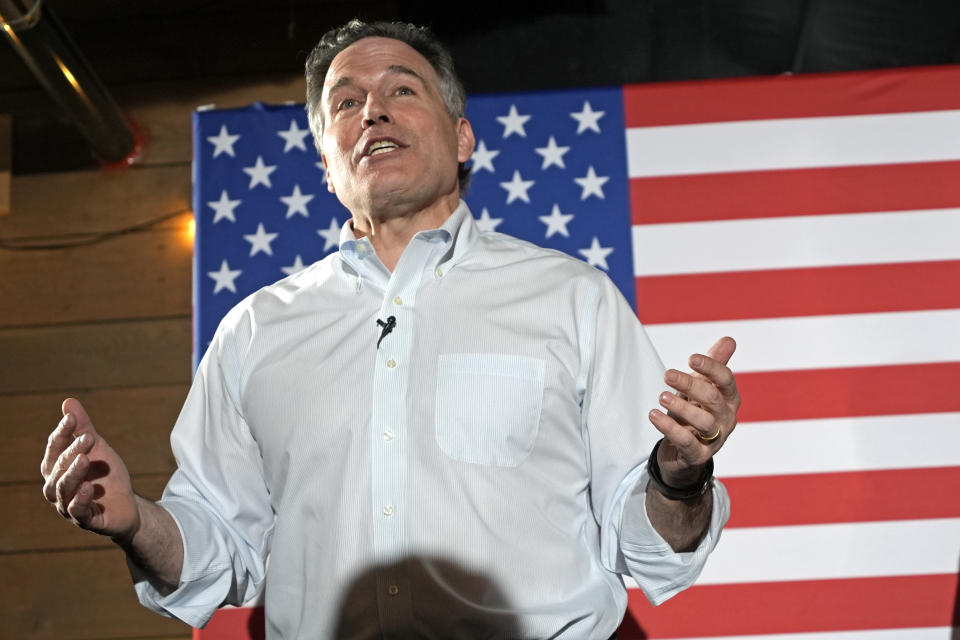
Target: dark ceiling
{"x":498,"y":47}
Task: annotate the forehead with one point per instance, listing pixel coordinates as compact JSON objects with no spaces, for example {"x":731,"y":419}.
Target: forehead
{"x":370,"y":57}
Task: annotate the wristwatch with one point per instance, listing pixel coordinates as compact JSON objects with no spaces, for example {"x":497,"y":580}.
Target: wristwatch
{"x":694,"y":490}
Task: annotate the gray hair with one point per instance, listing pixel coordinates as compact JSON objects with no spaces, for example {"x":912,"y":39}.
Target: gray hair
{"x":420,"y":39}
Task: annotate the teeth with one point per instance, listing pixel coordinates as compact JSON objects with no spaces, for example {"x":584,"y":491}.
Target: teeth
{"x":381,"y":147}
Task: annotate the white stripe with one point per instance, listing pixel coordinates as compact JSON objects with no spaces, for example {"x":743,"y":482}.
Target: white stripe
{"x":796,"y":241}
{"x":831,"y":551}
{"x":719,"y":147}
{"x":917,"y":633}
{"x":819,"y":342}
{"x":842,"y":444}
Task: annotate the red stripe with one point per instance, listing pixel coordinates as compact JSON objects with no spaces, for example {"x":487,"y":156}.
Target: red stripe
{"x":782,"y":607}
{"x":814,"y":291}
{"x":856,"y":496}
{"x":853,"y":391}
{"x":795,"y":192}
{"x":809,"y":95}
{"x":241,"y":623}
{"x":796,"y":607}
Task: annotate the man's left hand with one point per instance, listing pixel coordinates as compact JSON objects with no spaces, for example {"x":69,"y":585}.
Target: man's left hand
{"x":700,"y":416}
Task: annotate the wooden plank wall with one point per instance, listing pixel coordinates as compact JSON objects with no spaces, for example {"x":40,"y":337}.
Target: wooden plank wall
{"x":110,"y":323}
{"x":6,"y":156}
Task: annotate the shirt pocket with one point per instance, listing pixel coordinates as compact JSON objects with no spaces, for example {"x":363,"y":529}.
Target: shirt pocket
{"x":488,"y":406}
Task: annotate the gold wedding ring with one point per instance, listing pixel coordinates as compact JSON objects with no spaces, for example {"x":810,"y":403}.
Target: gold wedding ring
{"x":709,"y":439}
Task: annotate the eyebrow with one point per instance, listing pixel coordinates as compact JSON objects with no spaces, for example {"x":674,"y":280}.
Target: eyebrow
{"x":399,"y":68}
{"x":394,"y":68}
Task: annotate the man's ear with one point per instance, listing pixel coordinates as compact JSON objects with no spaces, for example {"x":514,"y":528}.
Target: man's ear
{"x":326,"y":168}
{"x":465,"y":140}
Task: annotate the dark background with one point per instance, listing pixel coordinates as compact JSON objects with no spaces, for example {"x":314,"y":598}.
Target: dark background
{"x":497,"y":46}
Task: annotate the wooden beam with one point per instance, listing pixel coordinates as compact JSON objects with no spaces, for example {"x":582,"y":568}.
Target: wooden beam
{"x":138,"y":275}
{"x":78,"y":202}
{"x":73,"y":358}
{"x":34,"y":525}
{"x":135,"y":421}
{"x":75,"y":594}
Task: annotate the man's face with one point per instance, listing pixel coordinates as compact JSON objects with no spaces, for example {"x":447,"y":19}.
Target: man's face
{"x":388,"y":141}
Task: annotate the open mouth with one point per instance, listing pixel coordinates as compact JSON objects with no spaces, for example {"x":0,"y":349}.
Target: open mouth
{"x":381,"y":147}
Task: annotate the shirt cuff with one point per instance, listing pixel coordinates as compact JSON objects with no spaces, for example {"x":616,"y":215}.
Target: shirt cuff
{"x":659,"y":571}
{"x":206,"y":579}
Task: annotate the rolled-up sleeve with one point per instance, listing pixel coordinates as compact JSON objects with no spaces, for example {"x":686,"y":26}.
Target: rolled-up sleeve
{"x":217,"y":495}
{"x":625,"y":378}
{"x":661,"y":572}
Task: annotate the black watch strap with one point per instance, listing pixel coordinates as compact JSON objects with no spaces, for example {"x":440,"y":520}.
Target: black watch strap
{"x":678,"y":493}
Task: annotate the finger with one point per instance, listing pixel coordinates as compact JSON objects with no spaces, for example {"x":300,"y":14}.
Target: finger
{"x":60,"y":438}
{"x":722,"y":349}
{"x":717,"y":373}
{"x":80,"y":445}
{"x":71,"y":480}
{"x":73,"y":407}
{"x":688,"y":413}
{"x":696,"y":390}
{"x":691,"y":449}
{"x":81,"y":507}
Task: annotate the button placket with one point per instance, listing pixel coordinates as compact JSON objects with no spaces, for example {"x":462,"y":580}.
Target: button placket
{"x":390,"y":421}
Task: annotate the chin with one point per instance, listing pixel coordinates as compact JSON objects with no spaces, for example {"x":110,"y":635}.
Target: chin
{"x":402,"y":193}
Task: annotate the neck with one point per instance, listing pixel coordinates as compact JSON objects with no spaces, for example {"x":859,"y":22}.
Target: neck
{"x":391,"y":231}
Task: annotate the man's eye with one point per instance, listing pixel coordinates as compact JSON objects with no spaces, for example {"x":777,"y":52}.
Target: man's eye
{"x":404,"y":91}
{"x":346,"y":104}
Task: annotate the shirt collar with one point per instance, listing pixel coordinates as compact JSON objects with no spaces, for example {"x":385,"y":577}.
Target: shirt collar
{"x":451,"y":242}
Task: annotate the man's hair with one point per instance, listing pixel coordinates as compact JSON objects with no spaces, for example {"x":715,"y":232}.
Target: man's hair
{"x":420,"y":39}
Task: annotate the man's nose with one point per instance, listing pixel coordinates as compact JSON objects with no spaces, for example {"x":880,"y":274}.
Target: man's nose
{"x":374,"y":112}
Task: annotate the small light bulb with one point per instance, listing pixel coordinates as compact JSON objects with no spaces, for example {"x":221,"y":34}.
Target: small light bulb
{"x":190,"y":230}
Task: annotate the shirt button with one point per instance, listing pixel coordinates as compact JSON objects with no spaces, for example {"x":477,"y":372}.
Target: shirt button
{"x":388,"y":435}
{"x":388,"y":510}
{"x":439,"y":272}
{"x":393,"y":589}
{"x":391,"y":364}
{"x":398,"y":301}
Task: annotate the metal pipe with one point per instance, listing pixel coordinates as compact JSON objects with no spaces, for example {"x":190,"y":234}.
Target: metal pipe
{"x":41,"y":41}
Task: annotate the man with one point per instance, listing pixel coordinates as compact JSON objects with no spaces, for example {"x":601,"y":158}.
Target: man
{"x":434,"y":432}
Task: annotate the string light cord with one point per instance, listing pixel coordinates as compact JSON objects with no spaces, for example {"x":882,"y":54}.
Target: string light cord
{"x":87,"y":240}
{"x":27,"y":19}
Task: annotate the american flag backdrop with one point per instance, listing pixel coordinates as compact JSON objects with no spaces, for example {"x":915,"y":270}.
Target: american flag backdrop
{"x":814,"y":218}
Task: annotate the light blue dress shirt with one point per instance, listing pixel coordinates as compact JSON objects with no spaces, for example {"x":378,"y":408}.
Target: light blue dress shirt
{"x":480,"y":474}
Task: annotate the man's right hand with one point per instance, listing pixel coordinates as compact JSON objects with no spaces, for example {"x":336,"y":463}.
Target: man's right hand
{"x":85,"y":478}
